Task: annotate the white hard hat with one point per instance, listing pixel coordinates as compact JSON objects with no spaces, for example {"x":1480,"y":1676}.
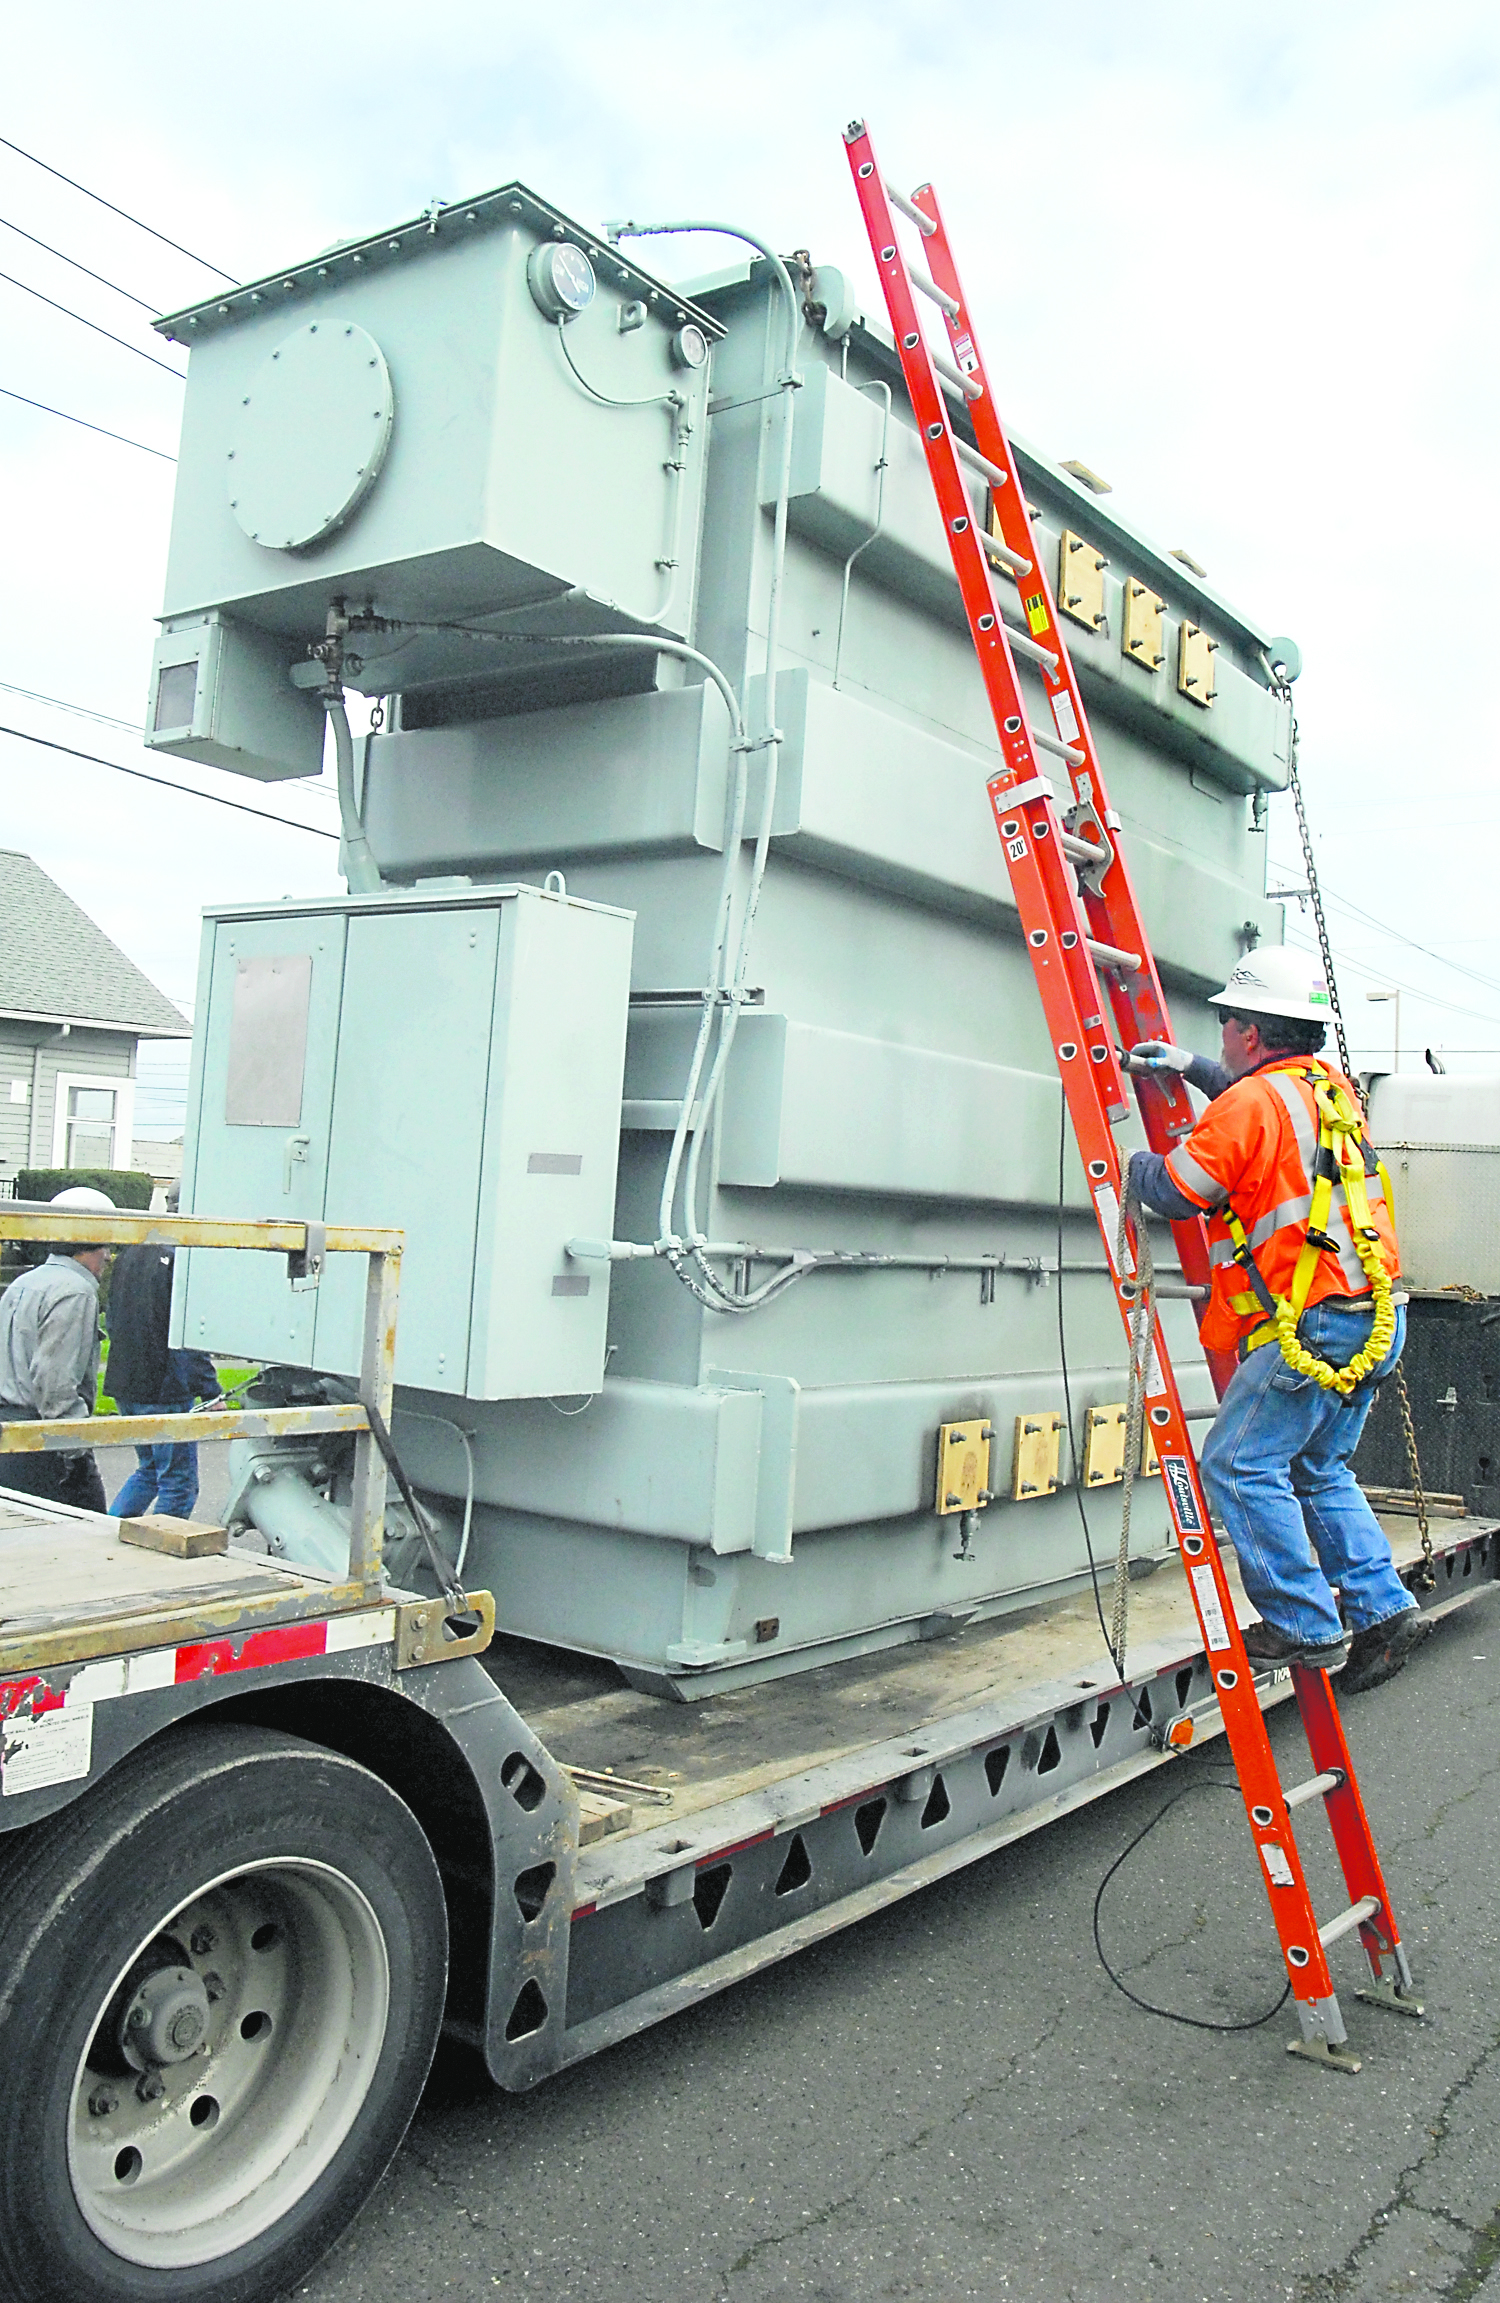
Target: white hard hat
{"x":84,"y":1197}
{"x":1273,"y":981}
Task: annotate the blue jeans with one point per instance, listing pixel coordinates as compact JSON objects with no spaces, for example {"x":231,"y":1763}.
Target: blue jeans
{"x":1276,"y":1465}
{"x":165,"y":1477}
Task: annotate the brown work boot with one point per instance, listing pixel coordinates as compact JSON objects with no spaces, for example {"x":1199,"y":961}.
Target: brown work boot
{"x":1378,"y":1652}
{"x":1264,"y":1644}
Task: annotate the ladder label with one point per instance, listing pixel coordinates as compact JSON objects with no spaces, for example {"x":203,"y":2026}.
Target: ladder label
{"x":1278,"y":1870}
{"x":965,"y":354}
{"x":1215,"y":1630}
{"x":1036,"y":612}
{"x":1015,"y":848}
{"x":1180,"y":1492}
{"x":1107,"y":1208}
{"x":1065,"y":717}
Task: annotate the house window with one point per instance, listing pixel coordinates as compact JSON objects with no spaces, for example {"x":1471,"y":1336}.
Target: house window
{"x":92,"y":1121}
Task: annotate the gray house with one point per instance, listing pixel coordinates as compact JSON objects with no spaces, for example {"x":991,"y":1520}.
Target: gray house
{"x":73,"y":1009}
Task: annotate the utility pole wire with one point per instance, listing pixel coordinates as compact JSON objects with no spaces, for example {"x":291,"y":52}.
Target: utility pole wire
{"x":186,"y":791}
{"x":67,"y":310}
{"x":102,"y":429}
{"x":114,"y":211}
{"x":49,"y":250}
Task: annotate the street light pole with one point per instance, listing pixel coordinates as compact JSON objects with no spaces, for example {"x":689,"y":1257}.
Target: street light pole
{"x":1395,"y":998}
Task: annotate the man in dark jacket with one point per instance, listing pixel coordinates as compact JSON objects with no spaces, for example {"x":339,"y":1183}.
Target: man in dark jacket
{"x":146,"y":1377}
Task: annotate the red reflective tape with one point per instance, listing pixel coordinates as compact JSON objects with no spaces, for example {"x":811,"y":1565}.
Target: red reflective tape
{"x":286,"y":1643}
{"x":13,"y":1694}
{"x":585,"y":1911}
{"x":722,"y":1854}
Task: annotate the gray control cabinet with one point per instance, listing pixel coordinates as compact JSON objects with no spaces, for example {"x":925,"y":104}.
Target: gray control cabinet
{"x":449,"y":1064}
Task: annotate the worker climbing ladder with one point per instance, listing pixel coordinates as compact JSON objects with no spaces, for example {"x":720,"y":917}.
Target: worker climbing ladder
{"x":1099,"y":984}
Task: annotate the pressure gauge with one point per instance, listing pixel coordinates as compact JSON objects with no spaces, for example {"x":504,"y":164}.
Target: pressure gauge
{"x":561,"y":279}
{"x":690,"y":347}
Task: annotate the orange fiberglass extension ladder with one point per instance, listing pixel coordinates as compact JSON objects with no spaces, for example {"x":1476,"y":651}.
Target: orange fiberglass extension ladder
{"x":1099,"y":984}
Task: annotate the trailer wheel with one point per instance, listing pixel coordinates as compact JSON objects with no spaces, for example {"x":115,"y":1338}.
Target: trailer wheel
{"x":222,"y":1975}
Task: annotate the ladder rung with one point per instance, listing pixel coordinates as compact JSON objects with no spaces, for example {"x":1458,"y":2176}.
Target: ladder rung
{"x":1024,"y":645}
{"x":972,"y":457}
{"x":1074,"y":754}
{"x":1316,"y":1787}
{"x":1110,"y":956}
{"x":1011,"y":561}
{"x":950,"y":375}
{"x":911,"y":211}
{"x":1082,"y":851}
{"x":1347,"y":1921}
{"x":933,"y":293}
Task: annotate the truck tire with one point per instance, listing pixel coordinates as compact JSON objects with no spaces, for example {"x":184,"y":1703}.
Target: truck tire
{"x":222,"y":1975}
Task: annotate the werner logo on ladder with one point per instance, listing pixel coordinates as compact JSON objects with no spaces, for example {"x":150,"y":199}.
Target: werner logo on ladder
{"x":1098,"y":984}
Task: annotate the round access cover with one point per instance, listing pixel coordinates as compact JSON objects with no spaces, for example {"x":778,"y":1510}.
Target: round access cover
{"x":312,"y":435}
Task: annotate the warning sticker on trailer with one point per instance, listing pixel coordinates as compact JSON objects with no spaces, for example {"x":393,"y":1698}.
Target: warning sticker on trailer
{"x":1036,"y":611}
{"x":1065,"y":716}
{"x":1215,"y":1630}
{"x":46,"y":1748}
{"x":1183,"y":1499}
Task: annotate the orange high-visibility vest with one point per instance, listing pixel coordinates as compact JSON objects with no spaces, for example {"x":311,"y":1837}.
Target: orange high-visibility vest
{"x":1253,"y":1152}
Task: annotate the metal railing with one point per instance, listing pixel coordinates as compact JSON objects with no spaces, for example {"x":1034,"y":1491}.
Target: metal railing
{"x":304,"y":1245}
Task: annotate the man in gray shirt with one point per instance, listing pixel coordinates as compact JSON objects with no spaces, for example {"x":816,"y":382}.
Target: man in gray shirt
{"x":49,"y":1361}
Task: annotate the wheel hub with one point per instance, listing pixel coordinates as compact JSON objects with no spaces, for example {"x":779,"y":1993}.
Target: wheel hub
{"x":166,"y":2021}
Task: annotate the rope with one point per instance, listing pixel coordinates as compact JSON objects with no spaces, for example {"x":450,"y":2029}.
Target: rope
{"x":1142,"y":1331}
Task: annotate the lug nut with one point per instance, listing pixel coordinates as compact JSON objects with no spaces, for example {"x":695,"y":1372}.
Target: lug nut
{"x":102,"y":2102}
{"x":202,"y":1941}
{"x":213,"y":1984}
{"x":149,"y":2086}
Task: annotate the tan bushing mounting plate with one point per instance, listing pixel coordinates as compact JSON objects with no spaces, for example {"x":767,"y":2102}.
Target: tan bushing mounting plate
{"x":1080,"y":580}
{"x":1104,"y":1445}
{"x":963,"y":1467}
{"x":1195,"y":663}
{"x":1141,"y":637}
{"x":1038,"y":1453}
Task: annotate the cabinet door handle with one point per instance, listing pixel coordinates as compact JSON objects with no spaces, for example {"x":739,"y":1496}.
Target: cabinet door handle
{"x":296,"y":1150}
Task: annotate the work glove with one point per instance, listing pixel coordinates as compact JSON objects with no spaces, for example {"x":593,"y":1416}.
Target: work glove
{"x":1151,"y":1056}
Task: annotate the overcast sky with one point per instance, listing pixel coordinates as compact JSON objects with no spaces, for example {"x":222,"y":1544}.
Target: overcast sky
{"x":1241,"y":262}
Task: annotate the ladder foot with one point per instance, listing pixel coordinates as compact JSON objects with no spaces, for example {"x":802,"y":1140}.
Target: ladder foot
{"x":1399,"y":1999}
{"x":1321,"y":2051}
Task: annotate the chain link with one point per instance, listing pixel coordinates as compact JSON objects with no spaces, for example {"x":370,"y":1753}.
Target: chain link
{"x":1427,"y":1578}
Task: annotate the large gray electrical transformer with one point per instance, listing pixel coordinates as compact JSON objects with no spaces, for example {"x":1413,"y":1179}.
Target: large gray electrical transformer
{"x":679,"y":1012}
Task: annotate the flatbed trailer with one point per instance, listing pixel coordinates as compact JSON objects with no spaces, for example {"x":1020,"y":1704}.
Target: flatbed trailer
{"x":264,"y":1835}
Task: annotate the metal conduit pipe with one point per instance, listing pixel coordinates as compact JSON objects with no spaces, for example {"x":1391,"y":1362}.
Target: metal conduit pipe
{"x":787,"y":382}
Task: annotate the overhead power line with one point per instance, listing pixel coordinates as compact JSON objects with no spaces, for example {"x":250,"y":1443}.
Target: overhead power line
{"x":129,"y":728}
{"x":48,"y":249}
{"x":67,"y":309}
{"x":114,"y":211}
{"x":186,"y":791}
{"x":1385,"y":980}
{"x":1372,"y":920}
{"x":102,"y":429}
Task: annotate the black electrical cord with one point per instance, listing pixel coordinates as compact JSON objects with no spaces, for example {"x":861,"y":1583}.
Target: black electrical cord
{"x":1062,"y":1351}
{"x":1149,"y":2007}
{"x":185,"y":791}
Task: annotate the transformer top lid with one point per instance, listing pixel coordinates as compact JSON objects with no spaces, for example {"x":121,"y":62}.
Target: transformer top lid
{"x":438,"y":226}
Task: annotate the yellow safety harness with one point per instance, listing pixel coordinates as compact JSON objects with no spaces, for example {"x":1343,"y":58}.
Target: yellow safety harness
{"x":1344,"y":1159}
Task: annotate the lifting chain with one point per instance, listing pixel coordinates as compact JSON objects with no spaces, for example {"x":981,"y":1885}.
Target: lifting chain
{"x":1428,"y":1578}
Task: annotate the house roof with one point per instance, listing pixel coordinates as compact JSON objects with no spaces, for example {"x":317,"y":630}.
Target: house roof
{"x":56,"y":964}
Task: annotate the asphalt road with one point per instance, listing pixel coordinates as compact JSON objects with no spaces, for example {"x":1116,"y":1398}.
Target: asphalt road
{"x":951,"y":2100}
